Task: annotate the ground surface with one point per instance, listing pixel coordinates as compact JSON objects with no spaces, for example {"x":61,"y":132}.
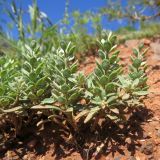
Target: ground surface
{"x":141,"y":143}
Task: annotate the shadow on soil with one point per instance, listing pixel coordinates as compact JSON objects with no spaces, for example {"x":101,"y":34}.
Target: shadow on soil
{"x":110,"y":139}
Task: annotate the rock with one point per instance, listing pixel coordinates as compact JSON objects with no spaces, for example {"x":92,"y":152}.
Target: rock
{"x":128,"y":140}
{"x":117,"y":158}
{"x":25,"y":157}
{"x":158,"y":133}
{"x":11,"y":155}
{"x":20,"y":143}
{"x":157,"y":141}
{"x":157,"y":128}
{"x":147,"y":148}
{"x":155,"y":118}
{"x":141,"y":141}
{"x":146,"y":135}
{"x":132,"y":158}
{"x":137,"y":158}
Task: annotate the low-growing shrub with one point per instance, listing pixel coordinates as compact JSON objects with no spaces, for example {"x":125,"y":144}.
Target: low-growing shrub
{"x":10,"y":83}
{"x":36,"y":81}
{"x":51,"y":82}
{"x":67,"y":85}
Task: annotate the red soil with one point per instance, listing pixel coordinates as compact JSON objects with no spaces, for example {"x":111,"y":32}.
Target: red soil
{"x":142,"y":144}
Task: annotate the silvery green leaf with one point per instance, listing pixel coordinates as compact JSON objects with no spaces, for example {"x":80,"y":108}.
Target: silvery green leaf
{"x":103,"y":41}
{"x":114,"y":74}
{"x":105,"y":64}
{"x":88,"y":94}
{"x":91,"y":114}
{"x":101,"y":54}
{"x":109,"y":87}
{"x":97,"y":91}
{"x":28,"y":48}
{"x":98,"y":72}
{"x":112,"y":99}
{"x":113,"y":48}
{"x":115,"y":110}
{"x":104,"y":80}
{"x":73,"y":97}
{"x":39,"y":68}
{"x":125,"y":96}
{"x":15,"y":109}
{"x":66,"y":73}
{"x":32,"y":96}
{"x":72,"y":80}
{"x":41,"y":81}
{"x":70,"y":58}
{"x":137,"y":63}
{"x":61,"y":99}
{"x":81,"y":114}
{"x":112,"y":59}
{"x":39,"y":107}
{"x":122,"y":79}
{"x":135,"y":83}
{"x":40,"y":92}
{"x":99,"y":66}
{"x":25,"y":72}
{"x":97,"y":100}
{"x":140,"y":93}
{"x":112,"y":117}
{"x":65,"y":88}
{"x":48,"y":101}
{"x":107,"y":46}
{"x":136,"y":52}
{"x":74,"y":68}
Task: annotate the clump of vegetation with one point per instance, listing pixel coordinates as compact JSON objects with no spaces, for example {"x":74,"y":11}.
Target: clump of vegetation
{"x":9,"y":88}
{"x":59,"y":87}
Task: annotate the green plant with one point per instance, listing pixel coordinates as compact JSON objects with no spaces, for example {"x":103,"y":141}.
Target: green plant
{"x":11,"y":83}
{"x":102,"y":88}
{"x":134,"y":84}
{"x":57,"y":88}
{"x":110,"y":92}
{"x":67,"y":84}
{"x":36,"y":82}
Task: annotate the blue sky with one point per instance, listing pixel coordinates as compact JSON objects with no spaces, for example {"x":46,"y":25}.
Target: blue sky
{"x":55,"y":10}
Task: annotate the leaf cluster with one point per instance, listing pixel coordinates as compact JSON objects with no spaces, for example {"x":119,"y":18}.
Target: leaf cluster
{"x":53,"y":82}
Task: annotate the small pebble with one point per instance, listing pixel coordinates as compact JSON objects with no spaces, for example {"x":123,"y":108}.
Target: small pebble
{"x":158,"y":133}
{"x":155,"y":118}
{"x":146,"y":135}
{"x":128,"y":140}
{"x":25,"y":157}
{"x":132,"y":158}
{"x":147,"y":148}
{"x":117,"y":158}
{"x":157,"y":128}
